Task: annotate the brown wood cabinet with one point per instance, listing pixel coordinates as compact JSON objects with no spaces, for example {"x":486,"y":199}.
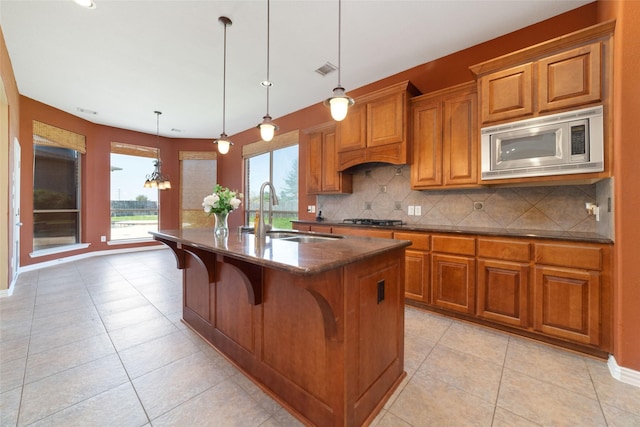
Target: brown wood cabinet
{"x":376,"y":128}
{"x":453,"y":284}
{"x":363,"y":232}
{"x":445,"y":138}
{"x":554,"y":290}
{"x":571,"y":292}
{"x":503,"y":280}
{"x":566,"y":72}
{"x":323,"y":176}
{"x":417,"y":266}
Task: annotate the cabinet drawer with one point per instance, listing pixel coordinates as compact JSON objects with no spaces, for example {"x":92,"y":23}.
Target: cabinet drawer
{"x":364,"y":232}
{"x":454,"y":245}
{"x":586,"y":257}
{"x":320,"y":228}
{"x":504,"y":249}
{"x":419,"y":241}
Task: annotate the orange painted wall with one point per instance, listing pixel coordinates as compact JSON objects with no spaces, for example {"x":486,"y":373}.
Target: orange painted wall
{"x":626,"y":111}
{"x":96,"y":171}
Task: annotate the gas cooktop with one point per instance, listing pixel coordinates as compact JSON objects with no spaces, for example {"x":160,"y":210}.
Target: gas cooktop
{"x":371,"y":221}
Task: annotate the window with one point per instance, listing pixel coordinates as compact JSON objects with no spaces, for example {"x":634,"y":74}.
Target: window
{"x":134,"y":209}
{"x":276,"y":162}
{"x":56,"y":187}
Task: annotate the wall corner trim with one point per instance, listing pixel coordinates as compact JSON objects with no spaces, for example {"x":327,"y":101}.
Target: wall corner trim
{"x":625,"y":375}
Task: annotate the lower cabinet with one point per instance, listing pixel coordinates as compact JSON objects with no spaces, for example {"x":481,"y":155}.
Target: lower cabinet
{"x":503,"y":281}
{"x":554,"y":290}
{"x":416,"y":261}
{"x":453,"y":284}
{"x":571,"y":292}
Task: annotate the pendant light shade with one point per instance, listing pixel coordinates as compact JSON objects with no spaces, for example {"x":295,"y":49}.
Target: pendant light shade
{"x":267,"y":127}
{"x":157,"y":179}
{"x":339,"y":103}
{"x":223,"y":142}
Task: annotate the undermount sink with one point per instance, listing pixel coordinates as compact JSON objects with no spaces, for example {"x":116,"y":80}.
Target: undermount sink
{"x":299,"y":237}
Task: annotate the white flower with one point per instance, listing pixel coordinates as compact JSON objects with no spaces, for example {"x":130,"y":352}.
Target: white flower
{"x":235,"y":203}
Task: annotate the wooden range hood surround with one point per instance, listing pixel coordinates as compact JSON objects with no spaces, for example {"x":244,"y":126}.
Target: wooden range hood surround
{"x":377,"y":128}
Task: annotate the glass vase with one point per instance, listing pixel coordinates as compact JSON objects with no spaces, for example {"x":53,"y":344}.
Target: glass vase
{"x":221,"y":229}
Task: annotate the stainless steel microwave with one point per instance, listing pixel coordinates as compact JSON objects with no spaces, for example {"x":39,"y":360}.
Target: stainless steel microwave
{"x":558,"y":144}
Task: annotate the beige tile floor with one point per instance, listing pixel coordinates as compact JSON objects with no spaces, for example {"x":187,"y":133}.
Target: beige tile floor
{"x":99,"y":342}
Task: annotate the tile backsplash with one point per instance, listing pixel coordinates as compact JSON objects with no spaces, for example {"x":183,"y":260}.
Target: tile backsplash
{"x":384,"y":191}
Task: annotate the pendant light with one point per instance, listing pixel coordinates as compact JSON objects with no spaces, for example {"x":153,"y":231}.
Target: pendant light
{"x":339,"y":102}
{"x":156,"y":179}
{"x":223,"y":142}
{"x":267,"y":127}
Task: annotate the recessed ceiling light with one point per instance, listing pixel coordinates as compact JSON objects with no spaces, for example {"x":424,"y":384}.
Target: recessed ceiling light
{"x":89,"y":4}
{"x":326,"y":69}
{"x":85,"y":111}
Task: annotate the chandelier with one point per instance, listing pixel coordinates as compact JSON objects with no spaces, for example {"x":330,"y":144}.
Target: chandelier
{"x":157,"y":179}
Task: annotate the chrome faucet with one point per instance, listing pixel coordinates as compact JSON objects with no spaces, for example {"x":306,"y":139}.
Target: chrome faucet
{"x":262,"y":228}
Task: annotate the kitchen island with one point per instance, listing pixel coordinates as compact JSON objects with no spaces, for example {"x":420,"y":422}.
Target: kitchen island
{"x":316,"y":321}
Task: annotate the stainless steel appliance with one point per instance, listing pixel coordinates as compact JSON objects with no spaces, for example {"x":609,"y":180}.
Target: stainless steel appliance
{"x":371,"y":221}
{"x":558,"y":144}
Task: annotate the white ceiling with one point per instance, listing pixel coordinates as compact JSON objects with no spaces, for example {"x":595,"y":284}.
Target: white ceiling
{"x":125,"y":59}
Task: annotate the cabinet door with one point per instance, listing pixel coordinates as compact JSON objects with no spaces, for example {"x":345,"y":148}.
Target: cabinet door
{"x":426,"y":168}
{"x":453,"y":282}
{"x":385,"y":120}
{"x":503,"y":289}
{"x":330,"y":177}
{"x":507,"y":94}
{"x":314,"y":163}
{"x":352,"y":131}
{"x":567,"y":304}
{"x":570,"y":79}
{"x":460,"y":140}
{"x":416,"y":286}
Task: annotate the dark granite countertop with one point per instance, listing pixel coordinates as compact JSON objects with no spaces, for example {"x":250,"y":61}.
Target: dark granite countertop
{"x":538,"y":234}
{"x":283,"y":254}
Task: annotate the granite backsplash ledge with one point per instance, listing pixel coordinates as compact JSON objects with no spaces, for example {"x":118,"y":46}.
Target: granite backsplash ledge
{"x":384,"y":192}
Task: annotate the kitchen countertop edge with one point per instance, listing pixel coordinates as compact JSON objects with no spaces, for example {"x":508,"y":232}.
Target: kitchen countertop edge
{"x":312,"y":263}
{"x":502,"y":232}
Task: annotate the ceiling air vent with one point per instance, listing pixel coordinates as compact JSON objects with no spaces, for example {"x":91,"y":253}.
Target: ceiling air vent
{"x":326,"y":69}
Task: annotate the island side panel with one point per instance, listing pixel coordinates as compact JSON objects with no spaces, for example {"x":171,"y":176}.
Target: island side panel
{"x":375,"y":333}
{"x":302,"y":351}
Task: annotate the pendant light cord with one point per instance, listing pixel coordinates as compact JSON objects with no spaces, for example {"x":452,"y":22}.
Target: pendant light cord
{"x":339,"y":37}
{"x":224,"y":81}
{"x":268,"y":45}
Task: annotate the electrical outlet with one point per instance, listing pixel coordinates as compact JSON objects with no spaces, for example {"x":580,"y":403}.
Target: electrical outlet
{"x":418,"y":210}
{"x":103,"y":238}
{"x":411,"y":210}
{"x":311,"y":209}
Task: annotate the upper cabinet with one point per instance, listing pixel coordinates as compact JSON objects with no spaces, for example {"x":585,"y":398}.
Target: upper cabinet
{"x":376,"y":128}
{"x":445,"y":138}
{"x":571,"y":71}
{"x":323,"y":176}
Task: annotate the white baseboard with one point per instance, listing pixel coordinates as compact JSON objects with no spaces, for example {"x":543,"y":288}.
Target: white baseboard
{"x":72,"y":258}
{"x":625,"y":375}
